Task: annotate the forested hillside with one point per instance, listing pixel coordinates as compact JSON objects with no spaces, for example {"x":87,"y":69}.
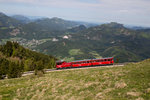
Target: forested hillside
{"x":15,"y":59}
{"x":106,"y":40}
{"x":70,"y":40}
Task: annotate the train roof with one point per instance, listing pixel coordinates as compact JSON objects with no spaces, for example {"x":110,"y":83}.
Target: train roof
{"x":59,"y":61}
{"x":92,"y":59}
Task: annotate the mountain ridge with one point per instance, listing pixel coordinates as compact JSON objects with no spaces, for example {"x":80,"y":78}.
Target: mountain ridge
{"x":62,"y":38}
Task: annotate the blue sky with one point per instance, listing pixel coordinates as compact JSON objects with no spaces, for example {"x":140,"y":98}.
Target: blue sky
{"x":132,"y":12}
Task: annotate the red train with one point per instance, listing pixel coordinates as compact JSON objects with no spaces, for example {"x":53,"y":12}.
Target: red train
{"x":85,"y":63}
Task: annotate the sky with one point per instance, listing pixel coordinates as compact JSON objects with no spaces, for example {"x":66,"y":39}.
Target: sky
{"x":130,"y":12}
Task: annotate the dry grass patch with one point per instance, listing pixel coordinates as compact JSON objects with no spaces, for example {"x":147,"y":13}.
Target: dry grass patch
{"x":99,"y":96}
{"x":135,"y":94}
{"x":148,"y":90}
{"x":120,"y":85}
{"x":1,"y":97}
{"x":139,"y":98}
{"x":127,"y":83}
{"x":90,"y":84}
{"x":108,"y":90}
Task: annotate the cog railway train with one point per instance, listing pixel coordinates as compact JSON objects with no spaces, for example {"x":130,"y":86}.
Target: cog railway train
{"x":85,"y":63}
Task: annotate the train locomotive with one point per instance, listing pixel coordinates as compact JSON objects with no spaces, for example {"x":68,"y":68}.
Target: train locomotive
{"x":85,"y":63}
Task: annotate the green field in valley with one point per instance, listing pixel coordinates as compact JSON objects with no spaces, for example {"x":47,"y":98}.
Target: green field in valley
{"x":130,"y":82}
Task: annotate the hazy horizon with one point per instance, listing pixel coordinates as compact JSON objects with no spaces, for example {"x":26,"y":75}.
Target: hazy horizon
{"x":135,"y":12}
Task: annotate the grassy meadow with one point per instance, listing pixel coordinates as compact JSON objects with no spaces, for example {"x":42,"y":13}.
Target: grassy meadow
{"x":129,"y":82}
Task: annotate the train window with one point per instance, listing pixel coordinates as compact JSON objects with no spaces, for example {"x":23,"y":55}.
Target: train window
{"x":58,"y":63}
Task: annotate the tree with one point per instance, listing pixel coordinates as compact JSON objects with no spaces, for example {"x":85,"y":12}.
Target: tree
{"x":29,"y":64}
{"x":3,"y":67}
{"x":8,"y":49}
{"x":39,"y":67}
{"x":52,"y":63}
{"x":15,"y":69}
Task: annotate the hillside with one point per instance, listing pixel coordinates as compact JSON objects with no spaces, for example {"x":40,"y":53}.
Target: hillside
{"x":21,"y":18}
{"x":116,"y":83}
{"x":69,"y":40}
{"x":111,"y":39}
{"x":6,"y":21}
{"x":21,"y":26}
{"x":46,"y":27}
{"x":15,"y":59}
{"x":7,"y":24}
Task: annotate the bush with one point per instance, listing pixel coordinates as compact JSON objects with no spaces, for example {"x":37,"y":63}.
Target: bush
{"x":39,"y":69}
{"x":3,"y":67}
{"x":15,"y":70}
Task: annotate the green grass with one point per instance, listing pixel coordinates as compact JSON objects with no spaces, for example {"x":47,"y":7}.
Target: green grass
{"x":4,"y":28}
{"x":68,"y":59}
{"x":75,"y":52}
{"x":130,"y":82}
{"x":95,"y":54}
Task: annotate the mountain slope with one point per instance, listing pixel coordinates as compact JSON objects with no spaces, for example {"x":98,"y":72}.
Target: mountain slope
{"x":45,"y":27}
{"x":7,"y":25}
{"x":71,"y":41}
{"x":6,"y":21}
{"x":105,"y":40}
{"x":21,"y":18}
{"x":15,"y":59}
{"x":129,"y":82}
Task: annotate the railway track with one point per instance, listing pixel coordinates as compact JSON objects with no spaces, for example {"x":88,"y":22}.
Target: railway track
{"x":53,"y":70}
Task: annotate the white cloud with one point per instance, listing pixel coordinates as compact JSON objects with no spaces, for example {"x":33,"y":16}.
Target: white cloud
{"x":130,"y":11}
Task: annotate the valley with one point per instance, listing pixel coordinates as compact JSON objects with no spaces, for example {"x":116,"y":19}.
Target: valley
{"x":74,"y":50}
{"x":70,"y":40}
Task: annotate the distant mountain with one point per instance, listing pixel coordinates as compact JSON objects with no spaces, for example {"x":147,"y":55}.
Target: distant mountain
{"x":87,"y":24}
{"x":111,"y":39}
{"x":6,"y":21}
{"x":77,"y":28}
{"x":56,"y":23}
{"x":24,"y":27}
{"x":70,"y":40}
{"x":45,"y":27}
{"x":21,"y":18}
{"x":33,"y":18}
{"x":136,"y":27}
{"x":7,"y":24}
